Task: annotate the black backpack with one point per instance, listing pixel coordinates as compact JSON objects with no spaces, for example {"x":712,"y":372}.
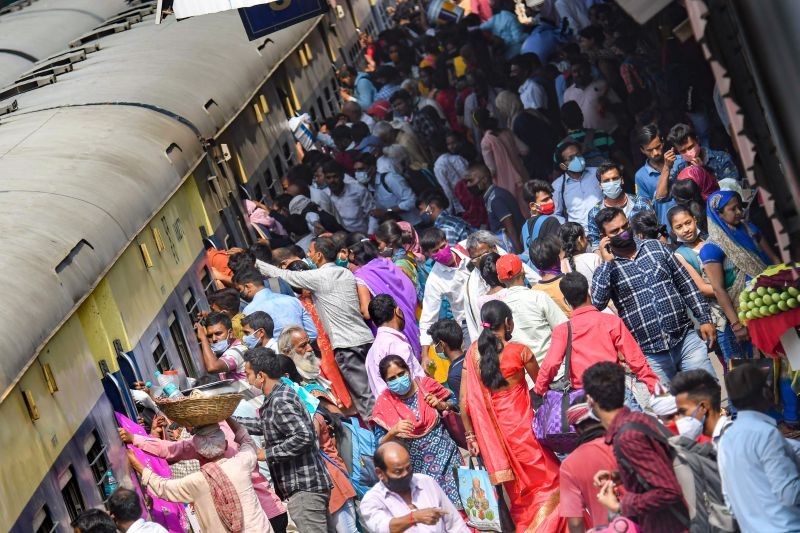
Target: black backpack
{"x":695,"y":466}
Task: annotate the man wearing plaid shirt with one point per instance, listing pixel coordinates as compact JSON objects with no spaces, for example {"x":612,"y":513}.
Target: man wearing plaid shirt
{"x":652,"y":292}
{"x":291,"y":445}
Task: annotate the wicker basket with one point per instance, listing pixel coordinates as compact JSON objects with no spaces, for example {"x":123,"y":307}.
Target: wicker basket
{"x":200,"y":410}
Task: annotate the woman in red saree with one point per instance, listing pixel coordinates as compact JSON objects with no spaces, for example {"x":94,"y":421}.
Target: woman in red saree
{"x":495,"y":400}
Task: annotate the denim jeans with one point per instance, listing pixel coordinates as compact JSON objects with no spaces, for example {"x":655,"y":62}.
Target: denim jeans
{"x":731,"y":348}
{"x":689,"y":353}
{"x":345,"y":518}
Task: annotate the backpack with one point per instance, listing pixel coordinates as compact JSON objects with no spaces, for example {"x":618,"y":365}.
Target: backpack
{"x":421,"y":181}
{"x":361,"y":466}
{"x":534,"y":228}
{"x":696,"y":470}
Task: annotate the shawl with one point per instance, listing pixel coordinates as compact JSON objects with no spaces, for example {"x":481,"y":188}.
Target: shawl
{"x":704,"y":179}
{"x":742,"y":251}
{"x":390,"y":409}
{"x":414,"y":248}
{"x":226,"y":499}
{"x":382,"y":276}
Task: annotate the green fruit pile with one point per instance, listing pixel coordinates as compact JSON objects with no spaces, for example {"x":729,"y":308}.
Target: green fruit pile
{"x":763,"y":302}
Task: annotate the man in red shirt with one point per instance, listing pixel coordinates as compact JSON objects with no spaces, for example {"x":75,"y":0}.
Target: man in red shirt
{"x":653,"y":497}
{"x":577,"y":471}
{"x":596,"y":337}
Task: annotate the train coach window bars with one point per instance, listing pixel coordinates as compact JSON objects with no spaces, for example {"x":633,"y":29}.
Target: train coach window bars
{"x":71,"y":493}
{"x":159,"y":354}
{"x":43,"y":521}
{"x":95,"y":452}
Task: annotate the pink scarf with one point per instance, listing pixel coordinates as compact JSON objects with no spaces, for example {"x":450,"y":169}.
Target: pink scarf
{"x":226,"y":499}
{"x":414,"y":248}
{"x":704,"y":179}
{"x":259,"y":216}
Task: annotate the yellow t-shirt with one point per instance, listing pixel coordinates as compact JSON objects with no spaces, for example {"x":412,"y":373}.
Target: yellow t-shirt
{"x":553,"y":289}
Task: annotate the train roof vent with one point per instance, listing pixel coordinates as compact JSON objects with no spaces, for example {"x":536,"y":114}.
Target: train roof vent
{"x":53,"y":70}
{"x":8,"y":108}
{"x":87,"y":49}
{"x":131,"y":15}
{"x":15,"y":6}
{"x":99,"y":33}
{"x":25,"y":86}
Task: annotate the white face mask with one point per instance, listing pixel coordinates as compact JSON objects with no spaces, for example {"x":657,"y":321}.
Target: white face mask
{"x":689,"y":426}
{"x":362,"y":177}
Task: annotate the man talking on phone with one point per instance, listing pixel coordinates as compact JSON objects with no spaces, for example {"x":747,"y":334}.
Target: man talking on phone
{"x":652,"y":293}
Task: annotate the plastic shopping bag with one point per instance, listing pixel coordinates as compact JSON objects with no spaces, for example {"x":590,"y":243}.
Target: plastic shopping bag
{"x":478,"y":498}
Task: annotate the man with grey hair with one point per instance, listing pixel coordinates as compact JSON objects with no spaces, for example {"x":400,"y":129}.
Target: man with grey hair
{"x":354,"y":113}
{"x":295,"y":344}
{"x":399,"y":132}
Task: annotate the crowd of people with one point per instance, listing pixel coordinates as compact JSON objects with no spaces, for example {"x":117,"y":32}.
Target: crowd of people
{"x":494,"y":198}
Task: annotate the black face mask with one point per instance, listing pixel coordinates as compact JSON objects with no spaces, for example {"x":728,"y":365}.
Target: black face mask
{"x":475,"y":190}
{"x":623,"y":241}
{"x":399,"y":484}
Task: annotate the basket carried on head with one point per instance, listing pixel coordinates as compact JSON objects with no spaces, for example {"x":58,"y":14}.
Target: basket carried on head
{"x":199,"y":411}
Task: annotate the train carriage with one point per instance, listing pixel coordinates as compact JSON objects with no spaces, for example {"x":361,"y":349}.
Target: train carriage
{"x":114,"y":172}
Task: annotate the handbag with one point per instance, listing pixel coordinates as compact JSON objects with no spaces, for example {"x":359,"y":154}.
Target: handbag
{"x":452,"y":423}
{"x":478,"y":497}
{"x":550,"y":423}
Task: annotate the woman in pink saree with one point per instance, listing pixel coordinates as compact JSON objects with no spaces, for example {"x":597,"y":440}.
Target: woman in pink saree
{"x":495,"y":400}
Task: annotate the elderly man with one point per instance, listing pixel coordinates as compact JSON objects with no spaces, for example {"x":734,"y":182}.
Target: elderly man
{"x":405,"y":137}
{"x":354,"y":113}
{"x":404,"y":499}
{"x":239,"y":509}
{"x":295,"y":344}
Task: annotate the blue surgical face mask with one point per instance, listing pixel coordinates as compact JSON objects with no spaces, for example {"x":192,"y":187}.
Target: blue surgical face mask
{"x":578,"y":164}
{"x":342,"y":262}
{"x":401,"y":385}
{"x":362,"y":177}
{"x":251,"y":341}
{"x":310,"y":263}
{"x":612,"y":189}
{"x":219,"y":347}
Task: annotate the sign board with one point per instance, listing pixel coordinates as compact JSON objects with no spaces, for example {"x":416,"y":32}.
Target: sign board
{"x":262,"y":20}
{"x":193,"y":8}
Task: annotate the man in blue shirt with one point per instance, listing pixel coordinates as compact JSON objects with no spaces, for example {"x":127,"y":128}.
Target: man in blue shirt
{"x":653,"y":179}
{"x":358,"y":86}
{"x":609,"y":174}
{"x":757,"y":465}
{"x":284,"y":310}
{"x":433,"y":206}
{"x":684,"y":141}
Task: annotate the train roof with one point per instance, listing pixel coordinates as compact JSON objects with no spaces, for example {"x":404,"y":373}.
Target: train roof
{"x":31,"y":30}
{"x":84,"y":163}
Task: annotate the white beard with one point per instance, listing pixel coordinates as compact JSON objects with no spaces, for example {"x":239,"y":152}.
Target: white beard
{"x":307,"y":365}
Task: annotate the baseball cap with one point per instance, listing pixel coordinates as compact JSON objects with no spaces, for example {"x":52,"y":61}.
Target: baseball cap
{"x":508,"y":266}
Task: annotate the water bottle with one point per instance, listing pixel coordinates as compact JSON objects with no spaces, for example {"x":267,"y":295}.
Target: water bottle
{"x":110,"y":483}
{"x":168,"y":388}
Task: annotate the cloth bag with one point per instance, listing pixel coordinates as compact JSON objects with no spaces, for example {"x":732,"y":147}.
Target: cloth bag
{"x":550,"y":423}
{"x":478,"y":497}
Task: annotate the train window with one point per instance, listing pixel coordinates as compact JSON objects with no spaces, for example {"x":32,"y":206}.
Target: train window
{"x":159,"y":354}
{"x":189,"y":301}
{"x":287,"y":152}
{"x":43,"y":522}
{"x":258,"y":191}
{"x":95,"y":452}
{"x":71,"y":493}
{"x":178,"y":338}
{"x":279,"y":165}
{"x":321,"y":107}
{"x":269,"y":179}
{"x":327,"y":93}
{"x":207,"y":282}
{"x":313,"y":113}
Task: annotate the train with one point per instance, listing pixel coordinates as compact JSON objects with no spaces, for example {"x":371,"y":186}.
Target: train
{"x":121,"y":156}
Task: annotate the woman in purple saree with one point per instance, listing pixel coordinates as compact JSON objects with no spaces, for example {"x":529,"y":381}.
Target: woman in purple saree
{"x":378,"y":275}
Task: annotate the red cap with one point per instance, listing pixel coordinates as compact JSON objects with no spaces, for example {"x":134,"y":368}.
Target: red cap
{"x":508,"y":266}
{"x":380,"y":109}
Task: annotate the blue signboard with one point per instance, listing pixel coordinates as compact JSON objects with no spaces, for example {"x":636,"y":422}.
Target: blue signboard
{"x":263,"y":19}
